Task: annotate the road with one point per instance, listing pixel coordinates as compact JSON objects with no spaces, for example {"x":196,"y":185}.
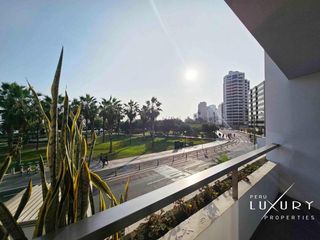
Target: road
{"x":156,"y":170}
{"x":155,"y":177}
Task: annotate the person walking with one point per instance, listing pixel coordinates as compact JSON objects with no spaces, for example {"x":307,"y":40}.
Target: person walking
{"x":102,"y":160}
{"x":106,"y":159}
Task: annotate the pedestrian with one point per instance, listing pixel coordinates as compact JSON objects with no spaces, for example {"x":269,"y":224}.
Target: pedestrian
{"x":103,"y":162}
{"x":106,"y":159}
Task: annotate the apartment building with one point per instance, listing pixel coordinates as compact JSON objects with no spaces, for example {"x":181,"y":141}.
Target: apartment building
{"x":257,"y":107}
{"x":235,"y":99}
{"x":202,"y":111}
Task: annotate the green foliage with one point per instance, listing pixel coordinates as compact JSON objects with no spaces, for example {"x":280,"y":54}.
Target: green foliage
{"x":131,"y":110}
{"x":15,"y":109}
{"x":67,"y":155}
{"x":24,"y":200}
{"x":43,"y":179}
{"x":209,"y":130}
{"x":111,"y":113}
{"x":4,"y":167}
{"x":222,"y":158}
{"x":158,"y":224}
{"x":10,"y":224}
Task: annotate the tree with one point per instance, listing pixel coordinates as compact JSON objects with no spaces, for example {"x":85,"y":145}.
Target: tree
{"x":74,"y":105}
{"x":90,"y":111}
{"x":14,"y":104}
{"x":154,"y":112}
{"x":103,"y":113}
{"x":131,"y":110}
{"x":144,"y":116}
{"x":35,"y":119}
{"x":209,"y":130}
{"x":119,"y":117}
{"x":109,"y":111}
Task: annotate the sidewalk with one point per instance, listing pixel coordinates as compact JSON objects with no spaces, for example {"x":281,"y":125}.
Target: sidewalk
{"x":152,"y":156}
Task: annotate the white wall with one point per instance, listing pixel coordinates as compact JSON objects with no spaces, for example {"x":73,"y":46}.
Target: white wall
{"x":261,"y":142}
{"x":293,"y":120}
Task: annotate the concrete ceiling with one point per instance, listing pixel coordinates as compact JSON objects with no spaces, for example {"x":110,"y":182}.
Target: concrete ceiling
{"x":288,"y":30}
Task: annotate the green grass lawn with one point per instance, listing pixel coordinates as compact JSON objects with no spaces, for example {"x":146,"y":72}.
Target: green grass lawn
{"x":121,"y":147}
{"x":139,"y":145}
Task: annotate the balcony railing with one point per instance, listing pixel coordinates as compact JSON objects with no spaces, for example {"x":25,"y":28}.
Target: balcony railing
{"x":108,"y":222}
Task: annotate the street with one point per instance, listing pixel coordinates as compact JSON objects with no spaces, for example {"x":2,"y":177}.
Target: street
{"x":148,"y":172}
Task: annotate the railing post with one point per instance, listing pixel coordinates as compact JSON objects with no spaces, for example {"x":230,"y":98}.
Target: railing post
{"x":186,"y":156}
{"x":197,"y":154}
{"x":172,"y":159}
{"x":235,"y":184}
{"x":139,"y":166}
{"x":157,"y":162}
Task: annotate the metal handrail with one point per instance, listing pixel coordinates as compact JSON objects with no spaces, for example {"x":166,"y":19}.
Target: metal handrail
{"x":108,"y":222}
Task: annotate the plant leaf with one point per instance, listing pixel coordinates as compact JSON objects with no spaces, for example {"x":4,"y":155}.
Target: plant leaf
{"x":102,"y":186}
{"x":23,"y":202}
{"x":126,"y":190}
{"x":4,"y":167}
{"x":82,"y":192}
{"x":44,"y":115}
{"x":51,"y":211}
{"x":91,"y":201}
{"x":102,"y":202}
{"x":10,"y":224}
{"x":43,"y":179}
{"x":53,"y":132}
{"x":3,"y":233}
{"x":41,"y":216}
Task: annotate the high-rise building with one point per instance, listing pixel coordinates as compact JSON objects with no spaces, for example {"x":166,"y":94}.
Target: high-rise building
{"x":220,"y":113}
{"x":257,"y":107}
{"x":202,"y":111}
{"x":235,"y":99}
{"x":212,"y":114}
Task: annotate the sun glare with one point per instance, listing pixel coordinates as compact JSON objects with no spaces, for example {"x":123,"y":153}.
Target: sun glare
{"x":191,"y":74}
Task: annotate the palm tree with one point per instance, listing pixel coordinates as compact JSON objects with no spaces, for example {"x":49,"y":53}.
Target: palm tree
{"x":14,"y":108}
{"x":144,"y":116}
{"x":103,"y":113}
{"x":131,"y":110}
{"x":90,"y":111}
{"x":74,"y":105}
{"x":36,"y":119}
{"x":110,"y":115}
{"x":154,"y":112}
{"x":119,"y":117}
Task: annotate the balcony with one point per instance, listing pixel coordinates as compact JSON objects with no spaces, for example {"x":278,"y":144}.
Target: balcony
{"x":231,"y":207}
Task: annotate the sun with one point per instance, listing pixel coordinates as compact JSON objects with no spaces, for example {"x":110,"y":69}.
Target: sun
{"x":191,"y":74}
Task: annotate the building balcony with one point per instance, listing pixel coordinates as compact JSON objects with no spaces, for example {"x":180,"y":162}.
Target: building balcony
{"x":231,"y":215}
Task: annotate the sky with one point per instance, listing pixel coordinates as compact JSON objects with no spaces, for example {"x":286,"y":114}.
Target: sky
{"x":130,"y":49}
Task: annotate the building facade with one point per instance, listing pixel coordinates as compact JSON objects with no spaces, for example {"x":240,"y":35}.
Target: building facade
{"x":220,"y":113}
{"x":202,"y":111}
{"x":235,"y":99}
{"x":257,"y":107}
{"x":212,"y":114}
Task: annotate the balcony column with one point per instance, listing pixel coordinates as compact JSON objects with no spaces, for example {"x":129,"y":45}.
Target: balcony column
{"x":235,"y":184}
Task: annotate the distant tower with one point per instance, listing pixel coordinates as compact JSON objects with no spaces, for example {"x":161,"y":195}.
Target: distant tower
{"x":220,"y":113}
{"x":235,"y":99}
{"x":202,"y":111}
{"x":212,"y":114}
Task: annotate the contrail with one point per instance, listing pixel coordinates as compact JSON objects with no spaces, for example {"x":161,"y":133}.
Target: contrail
{"x":165,"y":30}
